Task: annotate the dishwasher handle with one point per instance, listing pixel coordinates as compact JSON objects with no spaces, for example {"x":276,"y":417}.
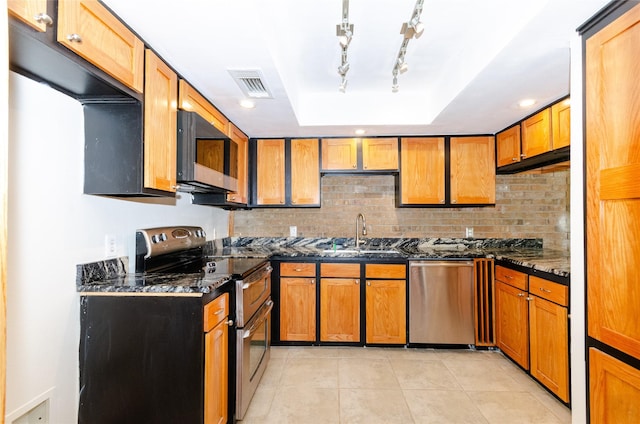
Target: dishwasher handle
{"x":455,"y":263}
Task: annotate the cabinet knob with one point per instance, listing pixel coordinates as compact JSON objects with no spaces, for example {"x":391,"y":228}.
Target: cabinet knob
{"x":354,"y":166}
{"x":356,"y":281}
{"x":523,"y":156}
{"x":43,"y":18}
{"x":454,"y":201}
{"x":293,"y":202}
{"x":442,"y":201}
{"x":514,"y":159}
{"x":229,"y":323}
{"x":520,"y":294}
{"x":74,"y":38}
{"x":312,"y":281}
{"x":529,"y":298}
{"x":369,"y":283}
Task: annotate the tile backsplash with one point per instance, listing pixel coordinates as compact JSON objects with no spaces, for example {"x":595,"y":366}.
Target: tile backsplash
{"x":530,"y":205}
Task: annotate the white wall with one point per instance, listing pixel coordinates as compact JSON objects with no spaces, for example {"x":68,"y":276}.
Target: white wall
{"x":52,"y":228}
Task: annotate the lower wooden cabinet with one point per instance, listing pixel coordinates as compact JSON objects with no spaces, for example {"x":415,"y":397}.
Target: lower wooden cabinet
{"x":340,"y":302}
{"x":216,"y":361}
{"x":512,"y":327}
{"x":386,"y":311}
{"x":298,"y":302}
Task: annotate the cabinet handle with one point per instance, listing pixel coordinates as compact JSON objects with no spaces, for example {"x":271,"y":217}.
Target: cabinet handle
{"x":74,"y":38}
{"x":312,"y":281}
{"x":219,"y":311}
{"x":298,"y":270}
{"x":514,"y":159}
{"x":356,"y":281}
{"x":523,"y":156}
{"x":509,"y":277}
{"x":364,"y":167}
{"x":369,"y":283}
{"x":43,"y":18}
{"x":442,"y":201}
{"x":354,"y":166}
{"x":229,"y":323}
{"x":520,"y":294}
{"x":232,"y":198}
{"x":454,"y":201}
{"x":545,"y":290}
{"x":529,"y":298}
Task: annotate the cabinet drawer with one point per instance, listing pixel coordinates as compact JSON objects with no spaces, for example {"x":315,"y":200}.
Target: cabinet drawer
{"x":386,"y":271}
{"x":511,"y":277}
{"x":549,"y":290}
{"x":298,"y":269}
{"x":215,"y":311}
{"x":340,"y":270}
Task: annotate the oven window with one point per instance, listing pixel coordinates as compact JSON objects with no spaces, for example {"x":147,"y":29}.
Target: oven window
{"x":258,"y":347}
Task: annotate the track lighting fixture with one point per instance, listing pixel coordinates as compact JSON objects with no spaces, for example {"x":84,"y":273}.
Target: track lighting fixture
{"x":344,"y":31}
{"x":411,"y":29}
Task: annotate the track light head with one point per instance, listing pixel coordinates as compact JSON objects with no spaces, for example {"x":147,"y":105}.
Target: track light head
{"x":345,"y":34}
{"x":395,"y":87}
{"x":343,"y":85}
{"x":343,"y":69}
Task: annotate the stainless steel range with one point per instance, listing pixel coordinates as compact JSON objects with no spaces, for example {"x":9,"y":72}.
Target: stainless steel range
{"x":167,"y":250}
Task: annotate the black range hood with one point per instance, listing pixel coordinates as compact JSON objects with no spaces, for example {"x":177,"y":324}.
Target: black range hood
{"x":207,"y":158}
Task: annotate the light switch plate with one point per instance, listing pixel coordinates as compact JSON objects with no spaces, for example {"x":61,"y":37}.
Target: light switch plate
{"x":293,"y":231}
{"x":469,"y":232}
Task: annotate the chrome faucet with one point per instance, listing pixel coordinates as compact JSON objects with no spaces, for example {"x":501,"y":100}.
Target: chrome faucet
{"x":364,"y":230}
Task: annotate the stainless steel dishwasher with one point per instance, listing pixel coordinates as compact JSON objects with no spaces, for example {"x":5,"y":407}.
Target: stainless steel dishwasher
{"x":441,"y":302}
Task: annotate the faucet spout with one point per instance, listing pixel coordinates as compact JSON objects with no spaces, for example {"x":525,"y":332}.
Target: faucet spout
{"x":364,"y":229}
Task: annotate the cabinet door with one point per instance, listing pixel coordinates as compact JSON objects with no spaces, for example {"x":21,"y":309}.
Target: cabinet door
{"x":561,"y":124}
{"x":612,"y":189}
{"x":216,"y":365}
{"x":190,"y":99}
{"x":512,"y":330}
{"x":422,"y":171}
{"x":160,"y":124}
{"x":30,"y":12}
{"x":242,"y":141}
{"x":270,"y":184}
{"x":379,"y":154}
{"x":473,"y":170}
{"x":536,"y":134}
{"x":305,"y":172}
{"x":339,"y":154}
{"x":87,"y":28}
{"x":386,"y":312}
{"x":549,"y":345}
{"x":298,"y":309}
{"x":340,"y":310}
{"x":508,"y":146}
{"x":614,"y":388}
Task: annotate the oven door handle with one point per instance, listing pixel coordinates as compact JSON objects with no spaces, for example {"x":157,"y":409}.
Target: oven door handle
{"x":258,"y":279}
{"x":256,"y":322}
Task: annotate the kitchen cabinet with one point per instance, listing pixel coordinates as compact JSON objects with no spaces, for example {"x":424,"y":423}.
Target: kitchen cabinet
{"x":287,"y":172}
{"x":612,"y":118}
{"x":88,"y":29}
{"x":512,"y":315}
{"x":216,"y":360}
{"x":549,"y":335}
{"x":339,"y":302}
{"x":242,"y":141}
{"x":386,"y":303}
{"x":473,"y":170}
{"x":356,"y":154}
{"x":422,"y":171}
{"x":561,"y":124}
{"x":191,"y":100}
{"x":536,"y":134}
{"x":298,"y":301}
{"x":31,"y":12}
{"x":483,"y":282}
{"x":508,"y":146}
{"x":160,"y":124}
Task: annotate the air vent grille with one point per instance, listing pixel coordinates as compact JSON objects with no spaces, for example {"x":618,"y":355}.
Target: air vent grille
{"x":252,"y":83}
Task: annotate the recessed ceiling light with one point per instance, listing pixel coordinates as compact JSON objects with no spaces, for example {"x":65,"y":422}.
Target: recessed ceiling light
{"x":247,"y":104}
{"x":360,"y":131}
{"x":526,"y":102}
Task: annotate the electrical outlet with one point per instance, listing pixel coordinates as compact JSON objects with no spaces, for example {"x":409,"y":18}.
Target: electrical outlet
{"x":469,"y":232}
{"x":293,"y":231}
{"x":37,"y":415}
{"x":110,"y":246}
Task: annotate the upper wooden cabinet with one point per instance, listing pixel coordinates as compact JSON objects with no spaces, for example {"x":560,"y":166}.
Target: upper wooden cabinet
{"x":422,"y":168}
{"x":190,"y":99}
{"x":561,"y":124}
{"x":473,"y":170}
{"x":536,"y":134}
{"x":160,"y":125}
{"x":305,"y":172}
{"x":339,"y":154}
{"x":242,"y":141}
{"x":508,"y":146}
{"x":31,"y":12}
{"x":270,"y":172}
{"x":380,"y":154}
{"x":87,"y":28}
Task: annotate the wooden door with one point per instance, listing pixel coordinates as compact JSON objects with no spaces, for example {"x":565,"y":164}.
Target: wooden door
{"x":508,"y":146}
{"x":340,"y":310}
{"x":242,"y":141}
{"x":30,"y":12}
{"x":305,"y":172}
{"x":380,"y":154}
{"x":614,"y":388}
{"x":339,"y":154}
{"x":160,"y":124}
{"x":473,"y":170}
{"x":613,"y":184}
{"x":270,"y":168}
{"x":512,"y":332}
{"x":422,"y":171}
{"x":561,"y":124}
{"x":216,"y":374}
{"x":536,"y":134}
{"x":298,"y":309}
{"x":191,"y":100}
{"x":386,"y":312}
{"x":87,"y":28}
{"x":549,"y":345}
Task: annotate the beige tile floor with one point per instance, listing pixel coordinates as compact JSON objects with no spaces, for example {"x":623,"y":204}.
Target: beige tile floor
{"x":344,"y":385}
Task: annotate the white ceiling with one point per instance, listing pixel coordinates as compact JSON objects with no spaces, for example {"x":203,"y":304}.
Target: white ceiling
{"x":474,"y":62}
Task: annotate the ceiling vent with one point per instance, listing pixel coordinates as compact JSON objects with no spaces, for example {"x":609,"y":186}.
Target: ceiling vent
{"x":252,"y":83}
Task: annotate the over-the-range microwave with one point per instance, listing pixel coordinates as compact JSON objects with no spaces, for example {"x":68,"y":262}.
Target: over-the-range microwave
{"x":207,"y":158}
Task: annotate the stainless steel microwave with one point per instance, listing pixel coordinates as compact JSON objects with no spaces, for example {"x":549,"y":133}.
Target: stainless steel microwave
{"x":207,"y":158}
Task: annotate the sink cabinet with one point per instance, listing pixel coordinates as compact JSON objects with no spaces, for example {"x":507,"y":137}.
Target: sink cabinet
{"x":297,"y":306}
{"x":339,"y":302}
{"x":386,"y":303}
